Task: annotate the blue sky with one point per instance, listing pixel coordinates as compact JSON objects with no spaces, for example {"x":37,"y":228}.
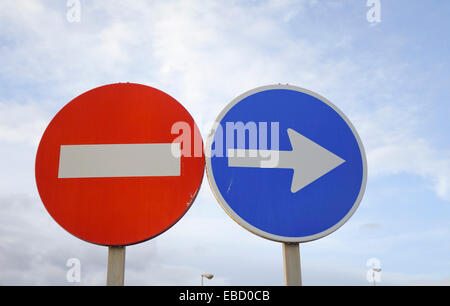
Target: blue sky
{"x":390,"y":78}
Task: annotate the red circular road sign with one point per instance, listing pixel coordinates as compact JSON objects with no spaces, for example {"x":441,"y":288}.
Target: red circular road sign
{"x":120,"y":164}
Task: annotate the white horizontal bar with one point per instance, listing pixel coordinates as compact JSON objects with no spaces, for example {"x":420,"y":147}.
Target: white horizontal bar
{"x":120,"y":160}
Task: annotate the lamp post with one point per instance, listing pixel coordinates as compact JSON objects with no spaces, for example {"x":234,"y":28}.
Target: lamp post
{"x":208,"y":276}
{"x":378,"y":270}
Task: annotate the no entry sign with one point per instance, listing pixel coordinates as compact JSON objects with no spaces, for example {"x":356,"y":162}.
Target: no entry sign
{"x":120,"y":164}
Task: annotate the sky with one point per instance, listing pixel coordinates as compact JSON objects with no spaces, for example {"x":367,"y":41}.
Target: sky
{"x":391,"y":78}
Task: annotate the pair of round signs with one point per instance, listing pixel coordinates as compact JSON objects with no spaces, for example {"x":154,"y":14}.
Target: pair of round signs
{"x":122,"y":163}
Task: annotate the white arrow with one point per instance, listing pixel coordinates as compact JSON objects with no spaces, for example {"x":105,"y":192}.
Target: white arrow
{"x":309,"y":160}
{"x":120,"y":160}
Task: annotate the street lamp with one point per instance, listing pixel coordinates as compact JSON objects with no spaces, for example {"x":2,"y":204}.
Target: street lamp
{"x":208,"y":276}
{"x":378,"y":270}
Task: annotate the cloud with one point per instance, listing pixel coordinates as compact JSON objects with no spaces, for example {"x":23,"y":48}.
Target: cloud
{"x":371,"y":226}
{"x":22,"y":123}
{"x":395,"y":146}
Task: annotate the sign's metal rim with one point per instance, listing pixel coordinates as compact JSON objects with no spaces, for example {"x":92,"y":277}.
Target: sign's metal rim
{"x":236,"y":217}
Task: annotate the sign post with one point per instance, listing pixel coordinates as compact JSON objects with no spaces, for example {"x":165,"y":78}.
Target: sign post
{"x":291,"y":264}
{"x":115,"y":274}
{"x":287,"y":165}
{"x":120,"y":165}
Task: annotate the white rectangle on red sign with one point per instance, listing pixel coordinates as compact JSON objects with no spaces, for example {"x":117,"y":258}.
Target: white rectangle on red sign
{"x":120,"y":160}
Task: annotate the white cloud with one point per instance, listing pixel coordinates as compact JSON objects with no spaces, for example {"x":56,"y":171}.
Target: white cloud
{"x":21,"y":123}
{"x":395,"y":146}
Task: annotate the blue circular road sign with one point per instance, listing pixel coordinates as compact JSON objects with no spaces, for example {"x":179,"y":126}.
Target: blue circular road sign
{"x":286,"y":164}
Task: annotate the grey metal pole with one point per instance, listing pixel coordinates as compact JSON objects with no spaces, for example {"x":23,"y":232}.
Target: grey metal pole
{"x":116,"y":266}
{"x":291,"y":262}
